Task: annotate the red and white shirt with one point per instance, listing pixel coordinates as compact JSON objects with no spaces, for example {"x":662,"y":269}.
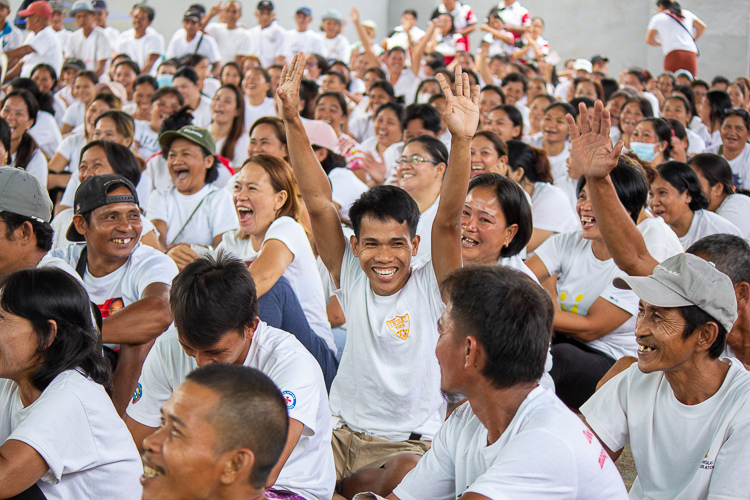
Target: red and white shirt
{"x":515,"y":15}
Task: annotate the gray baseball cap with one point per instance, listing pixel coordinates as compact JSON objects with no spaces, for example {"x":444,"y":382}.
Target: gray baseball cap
{"x":21,"y":193}
{"x":687,"y":280}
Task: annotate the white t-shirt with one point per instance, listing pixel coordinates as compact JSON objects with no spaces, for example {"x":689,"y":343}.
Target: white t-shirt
{"x":125,"y":285}
{"x":498,"y":46}
{"x":37,"y":166}
{"x":91,"y":49}
{"x":10,"y":37}
{"x":77,"y":431}
{"x":180,"y":47}
{"x":112,"y":35}
{"x":681,"y":451}
{"x":551,"y":210}
{"x":74,"y":114}
{"x":706,"y":223}
{"x":516,"y":262}
{"x":336,"y":48}
{"x":696,"y":144}
{"x":557,"y":162}
{"x":569,"y":186}
{"x":406,"y":85}
{"x":388,"y":381}
{"x":231,"y":43}
{"x":306,"y":41}
{"x":252,"y":113}
{"x":212,"y":212}
{"x":240,"y":150}
{"x":398,"y":37}
{"x":62,"y":37}
{"x":202,"y":114}
{"x":424,"y":229}
{"x":582,"y":278}
{"x":302,"y":272}
{"x":736,"y":209}
{"x":147,"y":139}
{"x":740,"y":165}
{"x":309,"y":470}
{"x":268,"y":43}
{"x":347,"y":188}
{"x":46,"y":130}
{"x":47,"y":50}
{"x":70,"y":149}
{"x":157,"y":173}
{"x":673,"y":36}
{"x":546,"y":452}
{"x":140,"y":48}
{"x":661,"y":241}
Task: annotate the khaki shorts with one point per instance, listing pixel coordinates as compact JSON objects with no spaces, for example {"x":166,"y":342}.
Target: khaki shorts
{"x":355,"y":451}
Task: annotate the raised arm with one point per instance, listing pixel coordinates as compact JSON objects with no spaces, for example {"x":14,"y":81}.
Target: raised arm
{"x":592,"y":150}
{"x":366,"y":42}
{"x":482,"y":64}
{"x":462,"y":117}
{"x":418,"y":50}
{"x":311,"y":179}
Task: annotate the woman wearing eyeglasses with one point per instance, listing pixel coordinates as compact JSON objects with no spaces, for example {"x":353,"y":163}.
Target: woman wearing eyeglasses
{"x":420,"y":172}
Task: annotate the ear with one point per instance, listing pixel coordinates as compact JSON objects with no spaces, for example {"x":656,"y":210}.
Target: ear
{"x":516,"y":131}
{"x":237,"y":465}
{"x":516,"y":175}
{"x":716,"y":190}
{"x":250,"y":329}
{"x":474,"y":354}
{"x":52,"y":334}
{"x":355,"y":245}
{"x":80,"y":224}
{"x":440,"y":170}
{"x":128,"y":142}
{"x":415,"y":245}
{"x":321,"y":154}
{"x":510,"y":233}
{"x":281,"y":197}
{"x":208,"y":161}
{"x":742,"y":292}
{"x":706,"y":336}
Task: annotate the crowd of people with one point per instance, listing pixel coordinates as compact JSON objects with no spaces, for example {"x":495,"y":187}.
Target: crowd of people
{"x":264,"y":263}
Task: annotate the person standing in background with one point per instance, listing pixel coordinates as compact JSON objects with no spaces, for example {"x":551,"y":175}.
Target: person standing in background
{"x":100,"y":19}
{"x":676,"y":31}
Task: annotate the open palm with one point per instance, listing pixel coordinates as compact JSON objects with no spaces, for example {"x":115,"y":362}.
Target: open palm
{"x":591,"y":146}
{"x":462,"y":109}
{"x":287,"y":93}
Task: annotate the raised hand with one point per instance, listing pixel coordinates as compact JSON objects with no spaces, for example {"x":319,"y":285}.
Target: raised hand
{"x":461,"y":110}
{"x":591,"y":147}
{"x":354,"y":14}
{"x":287,"y":94}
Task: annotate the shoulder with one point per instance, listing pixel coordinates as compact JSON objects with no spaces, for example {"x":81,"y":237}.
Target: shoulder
{"x":144,"y":255}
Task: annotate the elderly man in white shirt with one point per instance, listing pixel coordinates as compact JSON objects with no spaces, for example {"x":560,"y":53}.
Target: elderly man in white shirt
{"x":268,"y":39}
{"x":143,"y":44}
{"x":40,"y":46}
{"x":189,"y":40}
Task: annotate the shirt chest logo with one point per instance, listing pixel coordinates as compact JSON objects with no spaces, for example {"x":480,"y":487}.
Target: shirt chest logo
{"x":400,"y":326}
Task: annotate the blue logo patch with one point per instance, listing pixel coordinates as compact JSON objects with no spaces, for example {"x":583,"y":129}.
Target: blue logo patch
{"x":291,"y":399}
{"x":138,"y":393}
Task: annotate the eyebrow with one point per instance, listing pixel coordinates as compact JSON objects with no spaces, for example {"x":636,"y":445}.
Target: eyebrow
{"x":173,"y":418}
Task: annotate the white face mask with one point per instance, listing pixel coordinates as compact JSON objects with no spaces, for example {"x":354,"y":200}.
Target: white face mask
{"x":644,"y":150}
{"x":423,"y":98}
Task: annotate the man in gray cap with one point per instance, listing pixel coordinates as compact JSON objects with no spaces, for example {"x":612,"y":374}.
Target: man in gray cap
{"x":90,"y":43}
{"x":25,"y":212}
{"x":684,"y":409}
{"x":10,"y":36}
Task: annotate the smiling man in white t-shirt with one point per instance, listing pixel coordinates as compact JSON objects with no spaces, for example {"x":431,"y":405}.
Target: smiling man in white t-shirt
{"x":127,"y":280}
{"x":385,"y":398}
{"x":683,"y":408}
{"x":215,"y":307}
{"x":512,"y":439}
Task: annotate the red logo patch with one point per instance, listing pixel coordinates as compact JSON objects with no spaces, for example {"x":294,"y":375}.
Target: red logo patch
{"x":589,"y":436}
{"x":602,"y":458}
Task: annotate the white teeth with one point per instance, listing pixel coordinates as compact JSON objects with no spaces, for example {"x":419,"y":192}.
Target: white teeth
{"x":468,"y":241}
{"x":244,"y":209}
{"x":384,"y":272}
{"x":407,"y":175}
{"x":122,"y":241}
{"x":477,"y":167}
{"x":643,"y":348}
{"x":150,"y":472}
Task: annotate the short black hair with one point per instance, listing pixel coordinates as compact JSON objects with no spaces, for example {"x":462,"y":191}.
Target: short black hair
{"x":509,"y":314}
{"x":42,"y":230}
{"x":246,"y":395}
{"x":515,"y":206}
{"x":566,"y":107}
{"x":337,"y":74}
{"x":428,"y":114}
{"x":721,"y":80}
{"x":129,"y":63}
{"x":394,"y":106}
{"x":683,"y":178}
{"x":436,"y":150}
{"x":120,"y":158}
{"x":514,"y":115}
{"x":148,"y":79}
{"x":630,"y":186}
{"x":410,"y":11}
{"x":739,"y":112}
{"x":161,"y":92}
{"x":689,"y":94}
{"x":729,"y":253}
{"x":609,"y":86}
{"x":193,"y":60}
{"x":150,"y":12}
{"x":385,"y":203}
{"x":719,"y":102}
{"x":46,"y":294}
{"x":516,"y":77}
{"x":696,"y":317}
{"x":495,"y":89}
{"x":715,"y":169}
{"x":211,"y":297}
{"x":187,"y":72}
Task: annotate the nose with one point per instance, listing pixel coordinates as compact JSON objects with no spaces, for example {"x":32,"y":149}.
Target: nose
{"x":153,"y":442}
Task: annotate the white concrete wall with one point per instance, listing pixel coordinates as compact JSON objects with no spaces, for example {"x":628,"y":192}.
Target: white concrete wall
{"x":575,"y":28}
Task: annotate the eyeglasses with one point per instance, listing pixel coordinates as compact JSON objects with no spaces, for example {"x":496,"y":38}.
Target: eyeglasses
{"x":415,"y":160}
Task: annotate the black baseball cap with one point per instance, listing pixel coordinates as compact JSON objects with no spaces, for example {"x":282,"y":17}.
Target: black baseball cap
{"x":92,"y":194}
{"x":265,"y":5}
{"x":597,"y":59}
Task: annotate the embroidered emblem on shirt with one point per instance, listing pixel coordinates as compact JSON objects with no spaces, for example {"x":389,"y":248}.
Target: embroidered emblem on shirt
{"x":291,"y":399}
{"x":138,"y":393}
{"x":399,"y":326}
